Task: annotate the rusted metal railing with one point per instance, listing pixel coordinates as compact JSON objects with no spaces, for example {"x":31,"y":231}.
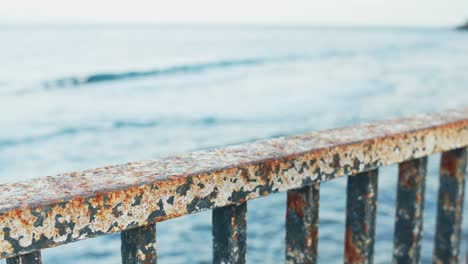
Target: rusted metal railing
{"x":131,"y":198}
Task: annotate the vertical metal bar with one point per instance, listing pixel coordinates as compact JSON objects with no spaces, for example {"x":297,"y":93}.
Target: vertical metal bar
{"x":361,"y":208}
{"x":450,"y":206}
{"x":31,"y":258}
{"x":302,"y":221}
{"x":229,"y":234}
{"x":466,"y":251}
{"x":409,"y":211}
{"x":139,"y":245}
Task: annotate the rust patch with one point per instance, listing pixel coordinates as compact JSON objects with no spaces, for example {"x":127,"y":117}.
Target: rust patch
{"x":352,"y":252}
{"x":313,"y":239}
{"x":407,"y":173}
{"x":449,"y":164}
{"x":297,"y":203}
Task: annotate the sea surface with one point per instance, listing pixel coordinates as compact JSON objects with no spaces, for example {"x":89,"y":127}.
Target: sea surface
{"x":78,"y":97}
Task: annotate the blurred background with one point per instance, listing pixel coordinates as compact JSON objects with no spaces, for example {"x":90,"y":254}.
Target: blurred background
{"x":88,"y":83}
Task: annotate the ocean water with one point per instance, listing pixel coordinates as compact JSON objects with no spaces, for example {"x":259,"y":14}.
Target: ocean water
{"x":77,"y":97}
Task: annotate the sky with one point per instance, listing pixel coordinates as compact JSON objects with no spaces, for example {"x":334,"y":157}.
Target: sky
{"x":319,"y":12}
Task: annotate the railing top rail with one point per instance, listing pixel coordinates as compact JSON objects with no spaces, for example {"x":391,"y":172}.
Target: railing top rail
{"x":54,"y":210}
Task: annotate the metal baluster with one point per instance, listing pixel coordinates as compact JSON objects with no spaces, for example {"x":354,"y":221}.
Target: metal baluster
{"x":409,"y":211}
{"x":230,"y":234}
{"x":361,"y":208}
{"x":302,"y":221}
{"x":450,"y":206}
{"x":31,"y":258}
{"x":139,"y":245}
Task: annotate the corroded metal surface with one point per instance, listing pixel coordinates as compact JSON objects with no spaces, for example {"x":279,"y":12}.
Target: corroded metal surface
{"x":139,"y":245}
{"x":450,"y":206}
{"x":54,"y":210}
{"x":361,"y":209}
{"x":302,"y":221}
{"x":230,"y":234}
{"x":30,"y":258}
{"x":409,"y":211}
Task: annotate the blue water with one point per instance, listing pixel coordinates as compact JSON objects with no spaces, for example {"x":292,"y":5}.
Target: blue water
{"x":77,"y":97}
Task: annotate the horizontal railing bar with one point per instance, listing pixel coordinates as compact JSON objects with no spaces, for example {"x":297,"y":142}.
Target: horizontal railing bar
{"x":51,"y":211}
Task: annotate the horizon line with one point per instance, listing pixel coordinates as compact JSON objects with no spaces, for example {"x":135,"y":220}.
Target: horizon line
{"x":113,"y":23}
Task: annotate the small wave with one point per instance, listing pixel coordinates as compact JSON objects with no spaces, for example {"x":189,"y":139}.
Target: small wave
{"x":134,"y":124}
{"x":188,"y":68}
{"x":119,"y":124}
{"x":76,"y":81}
{"x":43,"y":137}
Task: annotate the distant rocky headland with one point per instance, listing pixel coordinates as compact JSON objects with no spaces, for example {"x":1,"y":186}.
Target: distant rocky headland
{"x":463,"y":27}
